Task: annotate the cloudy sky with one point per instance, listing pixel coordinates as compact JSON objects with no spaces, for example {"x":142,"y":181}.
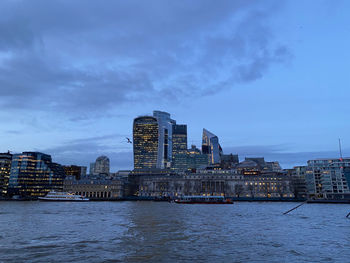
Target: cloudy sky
{"x":270,"y":78}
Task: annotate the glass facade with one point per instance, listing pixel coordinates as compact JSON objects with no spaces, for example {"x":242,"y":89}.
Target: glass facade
{"x":5,"y":167}
{"x":179,"y":139}
{"x":33,"y":174}
{"x":145,"y":142}
{"x":165,"y":139}
{"x":74,"y":170}
{"x":211,"y":146}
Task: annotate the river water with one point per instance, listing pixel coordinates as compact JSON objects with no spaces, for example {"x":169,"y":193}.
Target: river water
{"x":166,"y":232}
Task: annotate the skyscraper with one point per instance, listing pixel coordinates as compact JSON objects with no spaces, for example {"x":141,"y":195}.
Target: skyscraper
{"x":165,"y":130}
{"x":145,"y":142}
{"x":179,"y":142}
{"x":211,"y":146}
{"x":34,"y":174}
{"x":102,"y":165}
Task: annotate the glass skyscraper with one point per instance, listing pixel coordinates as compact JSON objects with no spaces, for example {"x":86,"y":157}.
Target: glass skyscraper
{"x":211,"y":146}
{"x":165,"y":131}
{"x":145,"y":142}
{"x":34,"y":174}
{"x":179,"y":139}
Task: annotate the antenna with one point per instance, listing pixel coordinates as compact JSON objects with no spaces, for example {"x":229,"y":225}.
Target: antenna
{"x":340,"y":152}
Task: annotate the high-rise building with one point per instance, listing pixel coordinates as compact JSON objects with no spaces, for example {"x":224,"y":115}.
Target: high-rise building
{"x":5,"y":167}
{"x":165,"y":130}
{"x":102,"y":165}
{"x":145,"y":142}
{"x":34,"y":174}
{"x":211,"y":146}
{"x":179,"y":139}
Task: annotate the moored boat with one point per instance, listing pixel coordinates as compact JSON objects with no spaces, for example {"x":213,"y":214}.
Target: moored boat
{"x":198,"y":199}
{"x":63,"y":196}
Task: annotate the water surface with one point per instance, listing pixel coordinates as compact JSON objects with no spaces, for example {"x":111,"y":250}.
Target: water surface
{"x":166,"y":232}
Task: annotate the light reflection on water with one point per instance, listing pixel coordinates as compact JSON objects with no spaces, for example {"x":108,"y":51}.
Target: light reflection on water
{"x":166,"y":232}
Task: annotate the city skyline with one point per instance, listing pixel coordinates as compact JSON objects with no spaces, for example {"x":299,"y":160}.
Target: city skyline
{"x":260,"y":75}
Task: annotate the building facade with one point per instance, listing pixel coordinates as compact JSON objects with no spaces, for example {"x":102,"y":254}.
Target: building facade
{"x":211,"y":147}
{"x":327,"y":177}
{"x":74,"y":170}
{"x":33,"y":174}
{"x":220,"y":182}
{"x":165,"y":138}
{"x":5,"y":168}
{"x":102,"y":165}
{"x":145,"y":142}
{"x":95,"y":189}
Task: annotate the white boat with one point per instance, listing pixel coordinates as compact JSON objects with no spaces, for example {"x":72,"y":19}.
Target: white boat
{"x":63,"y":196}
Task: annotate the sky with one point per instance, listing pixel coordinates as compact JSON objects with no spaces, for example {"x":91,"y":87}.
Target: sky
{"x":269,"y":78}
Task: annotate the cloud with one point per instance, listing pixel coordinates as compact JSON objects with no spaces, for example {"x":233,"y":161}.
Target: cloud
{"x":86,"y":150}
{"x":281,"y":153}
{"x":75,"y":57}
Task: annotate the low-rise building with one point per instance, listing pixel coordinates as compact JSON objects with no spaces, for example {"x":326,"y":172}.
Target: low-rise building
{"x":95,"y":189}
{"x":215,"y":182}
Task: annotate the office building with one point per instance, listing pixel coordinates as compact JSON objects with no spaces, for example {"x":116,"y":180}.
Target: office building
{"x":5,"y":167}
{"x":179,"y":142}
{"x":102,"y":165}
{"x":165,"y":130}
{"x":74,"y":170}
{"x":33,"y":174}
{"x":145,"y":142}
{"x":211,"y":146}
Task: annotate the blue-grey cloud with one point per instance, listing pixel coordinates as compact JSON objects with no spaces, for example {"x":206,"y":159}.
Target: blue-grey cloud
{"x":76,"y":56}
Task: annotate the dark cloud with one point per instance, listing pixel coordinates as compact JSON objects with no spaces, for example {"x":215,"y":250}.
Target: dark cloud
{"x":78,"y":56}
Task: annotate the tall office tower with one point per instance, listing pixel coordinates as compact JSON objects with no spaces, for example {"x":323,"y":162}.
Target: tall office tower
{"x":102,"y":165}
{"x":179,"y":149}
{"x":179,"y":139}
{"x":145,"y":142}
{"x":34,"y":174}
{"x":165,"y":125}
{"x":211,"y":146}
{"x":5,"y":167}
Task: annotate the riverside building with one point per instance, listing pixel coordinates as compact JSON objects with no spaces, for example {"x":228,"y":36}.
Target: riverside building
{"x":95,"y":189}
{"x":33,"y":174}
{"x":5,"y":168}
{"x":228,"y":183}
{"x":327,"y":178}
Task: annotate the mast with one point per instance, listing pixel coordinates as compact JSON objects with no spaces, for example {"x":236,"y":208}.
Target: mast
{"x":340,"y":151}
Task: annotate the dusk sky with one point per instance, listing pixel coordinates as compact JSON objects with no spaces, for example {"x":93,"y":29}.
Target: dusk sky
{"x":269,"y":78}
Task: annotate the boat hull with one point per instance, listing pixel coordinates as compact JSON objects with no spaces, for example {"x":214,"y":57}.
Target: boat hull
{"x":207,"y":202}
{"x":62,"y":200}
